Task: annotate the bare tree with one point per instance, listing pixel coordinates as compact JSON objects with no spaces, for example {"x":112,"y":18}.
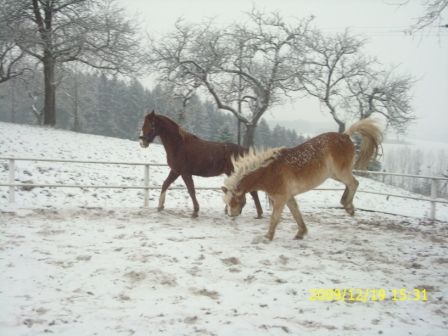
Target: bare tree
{"x":384,"y":92}
{"x":10,"y":54}
{"x":433,"y":10}
{"x":182,"y":90}
{"x":246,"y":68}
{"x":332,"y":60}
{"x":93,"y":33}
{"x":347,"y":83}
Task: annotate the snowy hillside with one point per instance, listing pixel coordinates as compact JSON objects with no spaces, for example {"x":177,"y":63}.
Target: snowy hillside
{"x":416,"y":157}
{"x":36,"y":142}
{"x":94,"y":261}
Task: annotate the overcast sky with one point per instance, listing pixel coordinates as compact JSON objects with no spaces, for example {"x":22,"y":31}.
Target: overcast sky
{"x":382,"y":22}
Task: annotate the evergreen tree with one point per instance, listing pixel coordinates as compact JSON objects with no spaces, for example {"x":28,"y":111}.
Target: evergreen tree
{"x":224,"y":134}
{"x":98,"y":104}
{"x":263,"y":135}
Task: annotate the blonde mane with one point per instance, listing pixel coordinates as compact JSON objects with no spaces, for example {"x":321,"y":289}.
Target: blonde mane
{"x":248,"y":163}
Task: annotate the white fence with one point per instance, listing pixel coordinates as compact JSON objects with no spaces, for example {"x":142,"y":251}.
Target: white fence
{"x":146,"y":186}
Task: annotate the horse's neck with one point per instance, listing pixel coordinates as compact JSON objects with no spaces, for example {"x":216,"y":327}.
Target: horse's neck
{"x":170,"y":135}
{"x":252,"y":181}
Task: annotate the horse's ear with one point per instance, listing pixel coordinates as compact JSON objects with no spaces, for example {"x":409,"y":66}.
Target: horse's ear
{"x":152,"y":113}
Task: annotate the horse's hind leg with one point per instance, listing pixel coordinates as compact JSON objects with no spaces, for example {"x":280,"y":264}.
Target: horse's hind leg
{"x":294,"y":208}
{"x":351,"y":185}
{"x":254,"y":195}
{"x":172,"y":176}
{"x":344,"y":197}
{"x":188,"y":179}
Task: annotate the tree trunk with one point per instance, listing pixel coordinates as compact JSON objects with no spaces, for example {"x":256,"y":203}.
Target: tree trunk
{"x":238,"y":130}
{"x":12,"y":87}
{"x":181,"y":117}
{"x":341,"y":124}
{"x":249,"y":136}
{"x":49,"y":117}
{"x":76,"y":119}
{"x":341,"y":127}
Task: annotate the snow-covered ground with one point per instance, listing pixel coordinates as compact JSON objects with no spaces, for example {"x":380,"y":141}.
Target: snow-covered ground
{"x":94,"y":262}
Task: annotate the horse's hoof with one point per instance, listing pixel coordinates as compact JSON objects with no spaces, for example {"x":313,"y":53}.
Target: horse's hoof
{"x":259,"y":217}
{"x":269,"y":237}
{"x":298,"y":237}
{"x":160,"y":208}
{"x":350,"y":209}
{"x":194,"y":215}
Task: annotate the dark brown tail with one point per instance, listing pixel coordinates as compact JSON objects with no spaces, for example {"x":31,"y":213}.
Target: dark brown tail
{"x":371,"y":141}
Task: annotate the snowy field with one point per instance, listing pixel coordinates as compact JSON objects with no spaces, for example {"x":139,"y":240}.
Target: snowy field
{"x":95,"y":262}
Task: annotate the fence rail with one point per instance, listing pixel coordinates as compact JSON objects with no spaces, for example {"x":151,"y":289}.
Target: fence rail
{"x":146,"y":187}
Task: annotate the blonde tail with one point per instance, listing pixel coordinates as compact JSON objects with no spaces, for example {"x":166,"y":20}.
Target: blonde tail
{"x":371,"y":141}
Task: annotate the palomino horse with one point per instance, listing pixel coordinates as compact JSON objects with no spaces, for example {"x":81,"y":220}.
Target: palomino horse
{"x":286,"y":172}
{"x":188,"y":155}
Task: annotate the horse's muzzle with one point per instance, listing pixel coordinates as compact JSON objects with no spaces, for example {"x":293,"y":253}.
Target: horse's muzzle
{"x":144,"y":143}
{"x":234,"y":212}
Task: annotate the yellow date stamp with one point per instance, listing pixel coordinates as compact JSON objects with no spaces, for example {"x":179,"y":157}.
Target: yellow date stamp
{"x":368,"y":294}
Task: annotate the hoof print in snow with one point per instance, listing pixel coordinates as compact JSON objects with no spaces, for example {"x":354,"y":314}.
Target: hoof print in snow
{"x":231,"y":261}
{"x":260,"y":239}
{"x":134,"y":276}
{"x":83,"y":258}
{"x":190,"y":319}
{"x":214,"y":295}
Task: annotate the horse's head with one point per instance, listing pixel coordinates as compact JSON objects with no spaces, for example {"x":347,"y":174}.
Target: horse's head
{"x":149,"y":130}
{"x":235,"y":201}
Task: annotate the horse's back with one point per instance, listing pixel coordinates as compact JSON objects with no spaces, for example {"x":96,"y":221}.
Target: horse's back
{"x":329,"y":144}
{"x":209,"y":158}
{"x":309,"y":164}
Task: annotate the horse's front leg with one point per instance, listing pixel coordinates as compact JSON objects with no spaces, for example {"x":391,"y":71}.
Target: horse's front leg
{"x":277,"y":209}
{"x":188,"y":179}
{"x":172,"y":176}
{"x":254,"y":195}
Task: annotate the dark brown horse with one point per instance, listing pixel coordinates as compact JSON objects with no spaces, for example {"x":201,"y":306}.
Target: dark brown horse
{"x":189,"y":155}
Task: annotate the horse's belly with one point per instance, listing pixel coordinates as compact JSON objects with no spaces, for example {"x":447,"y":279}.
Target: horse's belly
{"x":203,"y":172}
{"x":207,"y":169}
{"x":303,"y":184}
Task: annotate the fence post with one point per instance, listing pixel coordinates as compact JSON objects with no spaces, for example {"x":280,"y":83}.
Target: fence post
{"x":433,"y":198}
{"x":146,"y":192}
{"x":11,"y":180}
